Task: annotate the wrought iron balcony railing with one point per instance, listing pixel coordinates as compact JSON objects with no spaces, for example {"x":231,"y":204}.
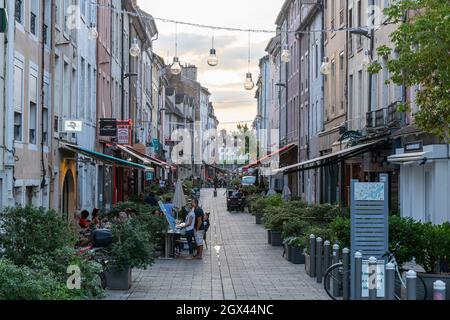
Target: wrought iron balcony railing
{"x":385,"y":117}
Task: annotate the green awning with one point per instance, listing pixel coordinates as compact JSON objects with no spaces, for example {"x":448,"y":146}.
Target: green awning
{"x":106,"y":158}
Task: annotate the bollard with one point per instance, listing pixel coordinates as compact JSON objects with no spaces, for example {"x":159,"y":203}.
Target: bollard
{"x":346,"y":275}
{"x":358,"y":275}
{"x":312,"y":256}
{"x":319,"y":271}
{"x":372,"y":279}
{"x":336,"y":289}
{"x":390,"y":281}
{"x":411,"y":285}
{"x":439,"y":290}
{"x":326,"y":255}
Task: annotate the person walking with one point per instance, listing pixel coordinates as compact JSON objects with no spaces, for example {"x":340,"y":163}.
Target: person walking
{"x":199,"y":229}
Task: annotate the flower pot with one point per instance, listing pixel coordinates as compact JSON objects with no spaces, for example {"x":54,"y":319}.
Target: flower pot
{"x":297,"y":255}
{"x":269,"y":237}
{"x":118,"y":280}
{"x":258,"y":218}
{"x":429,"y":280}
{"x":276,"y":239}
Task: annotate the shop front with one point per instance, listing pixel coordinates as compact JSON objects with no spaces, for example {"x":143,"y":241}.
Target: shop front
{"x":424,"y":181}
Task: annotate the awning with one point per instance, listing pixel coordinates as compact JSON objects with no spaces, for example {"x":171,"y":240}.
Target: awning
{"x":346,"y":153}
{"x":409,"y":157}
{"x":143,"y":157}
{"x":279,"y":151}
{"x":105,"y":158}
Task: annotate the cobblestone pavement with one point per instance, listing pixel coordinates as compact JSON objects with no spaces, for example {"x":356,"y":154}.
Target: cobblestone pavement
{"x":246,"y":267}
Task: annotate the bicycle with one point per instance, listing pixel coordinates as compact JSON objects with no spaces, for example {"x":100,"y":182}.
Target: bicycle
{"x":333,"y":281}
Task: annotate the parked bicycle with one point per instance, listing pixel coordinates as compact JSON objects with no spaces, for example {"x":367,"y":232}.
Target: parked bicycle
{"x":333,"y":281}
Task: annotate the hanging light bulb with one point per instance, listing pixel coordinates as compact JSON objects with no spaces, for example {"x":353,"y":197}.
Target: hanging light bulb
{"x":212,"y":59}
{"x":176,"y":66}
{"x":286,"y":54}
{"x":249,"y":84}
{"x":93,"y":33}
{"x":325,"y":68}
{"x":366,"y":59}
{"x":135,"y":50}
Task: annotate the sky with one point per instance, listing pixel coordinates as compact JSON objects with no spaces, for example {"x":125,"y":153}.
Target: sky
{"x":232,"y":102}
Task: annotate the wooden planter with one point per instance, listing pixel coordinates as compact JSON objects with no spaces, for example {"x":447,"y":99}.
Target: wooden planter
{"x":276,"y":239}
{"x":118,"y":280}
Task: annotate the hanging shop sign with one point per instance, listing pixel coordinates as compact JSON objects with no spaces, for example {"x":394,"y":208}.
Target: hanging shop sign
{"x":108,"y":127}
{"x":155,"y":145}
{"x":149,"y":175}
{"x":73,"y":126}
{"x":123,"y":135}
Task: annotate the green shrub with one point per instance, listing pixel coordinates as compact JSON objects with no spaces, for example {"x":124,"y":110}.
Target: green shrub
{"x":132,"y":245}
{"x":30,"y":231}
{"x":340,"y":230}
{"x":406,"y":238}
{"x":24,"y":283}
{"x":295,"y":228}
{"x":249,"y":190}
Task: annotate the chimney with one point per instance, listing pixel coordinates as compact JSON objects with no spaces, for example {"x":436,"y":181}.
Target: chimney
{"x":189,"y":71}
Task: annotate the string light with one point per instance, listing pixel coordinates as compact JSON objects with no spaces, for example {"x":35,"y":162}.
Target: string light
{"x":249,"y":84}
{"x":135,"y":50}
{"x":212,"y":59}
{"x":233,"y":29}
{"x":176,"y":67}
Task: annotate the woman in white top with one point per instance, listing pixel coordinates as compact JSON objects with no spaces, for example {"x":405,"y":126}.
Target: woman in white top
{"x":189,"y":226}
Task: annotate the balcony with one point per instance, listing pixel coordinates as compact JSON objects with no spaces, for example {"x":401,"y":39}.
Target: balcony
{"x":386,"y":117}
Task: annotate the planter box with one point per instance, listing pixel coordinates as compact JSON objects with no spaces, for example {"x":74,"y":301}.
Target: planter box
{"x":258,"y":218}
{"x":297,"y":255}
{"x":431,"y":278}
{"x":276,"y":239}
{"x":269,"y":237}
{"x":287,"y":252}
{"x":307,"y":264}
{"x":118,"y":280}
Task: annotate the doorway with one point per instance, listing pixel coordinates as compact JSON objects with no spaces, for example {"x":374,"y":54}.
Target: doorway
{"x":67,"y":195}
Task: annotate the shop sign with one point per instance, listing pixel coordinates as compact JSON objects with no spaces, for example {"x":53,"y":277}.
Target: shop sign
{"x":108,"y":127}
{"x":149,"y":175}
{"x":413,"y":147}
{"x":123,"y":135}
{"x":73,"y":126}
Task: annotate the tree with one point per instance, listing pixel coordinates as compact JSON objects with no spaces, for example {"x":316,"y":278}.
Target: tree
{"x":423,"y":47}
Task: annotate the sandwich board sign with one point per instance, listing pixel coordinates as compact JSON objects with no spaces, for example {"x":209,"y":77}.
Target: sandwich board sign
{"x":369,"y":209}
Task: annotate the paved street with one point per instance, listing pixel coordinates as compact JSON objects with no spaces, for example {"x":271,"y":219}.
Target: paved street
{"x":246,"y":267}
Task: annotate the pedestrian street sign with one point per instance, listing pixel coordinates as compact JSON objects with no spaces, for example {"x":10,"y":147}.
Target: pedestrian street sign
{"x":369,"y":208}
{"x":379,"y":281}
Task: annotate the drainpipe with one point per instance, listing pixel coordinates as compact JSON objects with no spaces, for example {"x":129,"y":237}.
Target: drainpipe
{"x":122,"y":80}
{"x":44,"y":171}
{"x":372,"y":40}
{"x":9,"y":99}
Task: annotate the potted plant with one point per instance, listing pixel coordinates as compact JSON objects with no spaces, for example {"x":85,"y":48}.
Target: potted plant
{"x":287,"y":248}
{"x":132,"y":248}
{"x":297,"y":250}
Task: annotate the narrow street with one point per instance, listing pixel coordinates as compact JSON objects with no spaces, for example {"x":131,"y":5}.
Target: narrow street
{"x":246,"y":267}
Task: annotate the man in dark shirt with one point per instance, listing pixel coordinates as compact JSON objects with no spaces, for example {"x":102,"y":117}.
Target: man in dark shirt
{"x":199,"y":229}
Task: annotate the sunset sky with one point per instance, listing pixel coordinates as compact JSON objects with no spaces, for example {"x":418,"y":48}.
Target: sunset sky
{"x":225,"y":81}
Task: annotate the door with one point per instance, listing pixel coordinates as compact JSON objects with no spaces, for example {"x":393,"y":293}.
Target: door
{"x":67,"y":204}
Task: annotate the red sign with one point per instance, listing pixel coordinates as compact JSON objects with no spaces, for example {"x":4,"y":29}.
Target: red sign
{"x":123,"y":132}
